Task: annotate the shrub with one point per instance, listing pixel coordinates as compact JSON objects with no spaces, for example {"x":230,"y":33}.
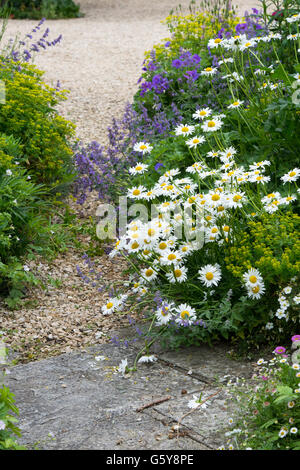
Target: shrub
{"x":29,"y":115}
{"x":37,"y":9}
{"x":267,"y":407}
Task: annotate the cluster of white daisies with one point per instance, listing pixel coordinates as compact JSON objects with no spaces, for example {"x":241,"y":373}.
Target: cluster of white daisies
{"x":162,"y":245}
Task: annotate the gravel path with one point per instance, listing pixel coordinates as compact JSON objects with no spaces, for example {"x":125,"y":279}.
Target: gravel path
{"x":100,"y":57}
{"x":99,"y":61}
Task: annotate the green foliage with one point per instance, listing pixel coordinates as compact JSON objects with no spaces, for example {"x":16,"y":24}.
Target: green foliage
{"x":267,"y":413}
{"x":37,"y":9}
{"x":29,"y":115}
{"x":8,"y":420}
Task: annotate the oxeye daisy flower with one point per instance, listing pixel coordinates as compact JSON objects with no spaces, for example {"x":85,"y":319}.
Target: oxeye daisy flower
{"x":252,"y":277}
{"x":209,"y":71}
{"x":288,"y":200}
{"x":293,"y":430}
{"x":202,"y":113}
{"x":235,"y":104}
{"x":293,"y":37}
{"x":149,"y":274}
{"x":226,"y":61}
{"x":291,"y":404}
{"x":191,"y":143}
{"x":292,"y":175}
{"x":139,"y":169}
{"x":214,"y":43}
{"x":259,"y":179}
{"x":178,"y":275}
{"x":186,"y":314}
{"x":256,"y":291}
{"x":164,"y":314}
{"x":184,"y":129}
{"x":213,"y":154}
{"x":293,"y":18}
{"x":246,"y":44}
{"x":236,"y":200}
{"x":227,"y":154}
{"x":212,"y":125}
{"x":171,"y":258}
{"x":210,"y":275}
{"x":136,"y":192}
{"x":142,"y":147}
{"x":111,"y":306}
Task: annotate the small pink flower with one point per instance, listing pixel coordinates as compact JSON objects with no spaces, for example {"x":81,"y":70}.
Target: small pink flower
{"x":266,"y":403}
{"x":264,"y":377}
{"x":255,"y":412}
{"x":279,"y":350}
{"x":296,"y":338}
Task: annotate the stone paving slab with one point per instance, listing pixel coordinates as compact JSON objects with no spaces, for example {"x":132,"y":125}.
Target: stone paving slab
{"x":76,"y":401}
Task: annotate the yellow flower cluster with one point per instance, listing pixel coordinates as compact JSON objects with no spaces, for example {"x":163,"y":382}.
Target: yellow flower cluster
{"x":29,"y":116}
{"x":188,"y":30}
{"x":272,"y":245}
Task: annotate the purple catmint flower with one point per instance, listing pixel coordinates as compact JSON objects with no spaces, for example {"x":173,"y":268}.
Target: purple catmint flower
{"x":177,"y":63}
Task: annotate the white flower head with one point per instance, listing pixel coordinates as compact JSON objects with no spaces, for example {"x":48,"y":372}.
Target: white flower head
{"x":210,"y":275}
{"x":142,"y":147}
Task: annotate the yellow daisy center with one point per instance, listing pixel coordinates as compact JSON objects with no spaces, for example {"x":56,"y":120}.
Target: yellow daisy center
{"x":209,"y":276}
{"x":162,"y":246}
{"x":177,"y":272}
{"x":136,"y":192}
{"x":253,"y":279}
{"x":109,"y":305}
{"x":184,"y":314}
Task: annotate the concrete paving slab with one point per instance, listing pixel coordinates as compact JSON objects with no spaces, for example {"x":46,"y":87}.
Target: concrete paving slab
{"x":80,"y":401}
{"x":84,"y":402}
